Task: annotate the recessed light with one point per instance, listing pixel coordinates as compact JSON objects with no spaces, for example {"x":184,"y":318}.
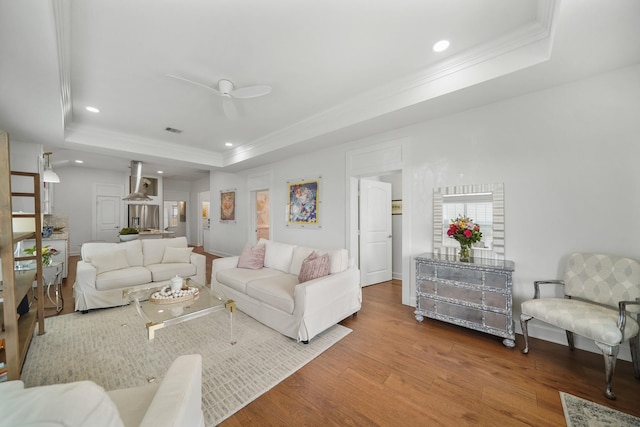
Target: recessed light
{"x":160,"y":172}
{"x":79,"y":161}
{"x":229,"y":144}
{"x":92,"y":109}
{"x":441,"y":46}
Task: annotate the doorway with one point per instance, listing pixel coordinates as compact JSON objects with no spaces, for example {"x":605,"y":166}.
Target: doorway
{"x":383,"y":160}
{"x":175,"y":218}
{"x":262,"y":216}
{"x":204,"y":202}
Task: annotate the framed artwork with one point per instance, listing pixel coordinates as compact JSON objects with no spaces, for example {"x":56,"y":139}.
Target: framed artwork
{"x":182,"y":206}
{"x":303,"y":207}
{"x":396,"y":207}
{"x":227,"y":205}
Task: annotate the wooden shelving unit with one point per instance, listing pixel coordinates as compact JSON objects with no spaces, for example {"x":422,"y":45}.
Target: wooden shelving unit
{"x":16,"y":284}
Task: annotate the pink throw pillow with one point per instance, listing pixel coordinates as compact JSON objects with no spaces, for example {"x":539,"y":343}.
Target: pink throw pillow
{"x":252,"y":257}
{"x":313,"y":267}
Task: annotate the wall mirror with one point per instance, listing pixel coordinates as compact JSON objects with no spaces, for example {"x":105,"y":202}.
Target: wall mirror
{"x":484,"y":203}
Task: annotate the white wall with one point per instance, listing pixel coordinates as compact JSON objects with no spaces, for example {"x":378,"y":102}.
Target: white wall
{"x":228,"y":238}
{"x":73,"y":198}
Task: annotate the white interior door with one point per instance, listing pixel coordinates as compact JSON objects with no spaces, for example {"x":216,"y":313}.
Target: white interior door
{"x":375,"y":232}
{"x":108,"y":218}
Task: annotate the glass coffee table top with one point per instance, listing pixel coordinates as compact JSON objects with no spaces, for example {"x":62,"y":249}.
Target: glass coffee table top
{"x":160,"y":314}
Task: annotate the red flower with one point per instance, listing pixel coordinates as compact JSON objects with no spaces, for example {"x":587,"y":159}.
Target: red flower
{"x":467,"y":233}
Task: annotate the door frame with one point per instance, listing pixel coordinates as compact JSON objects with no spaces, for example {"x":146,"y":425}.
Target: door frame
{"x":375,"y":160}
{"x":111,"y":190}
{"x":365,"y":216}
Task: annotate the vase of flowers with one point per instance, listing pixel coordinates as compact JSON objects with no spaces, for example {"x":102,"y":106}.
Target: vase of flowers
{"x":466,"y":232}
{"x":47,"y":253}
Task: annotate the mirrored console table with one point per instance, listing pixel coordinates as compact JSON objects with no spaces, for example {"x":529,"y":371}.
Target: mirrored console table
{"x":476,"y":294}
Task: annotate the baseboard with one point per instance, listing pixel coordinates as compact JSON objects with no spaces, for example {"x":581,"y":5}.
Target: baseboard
{"x":555,"y":335}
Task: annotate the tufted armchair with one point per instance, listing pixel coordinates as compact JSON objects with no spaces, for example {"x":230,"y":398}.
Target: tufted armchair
{"x":601,"y":302}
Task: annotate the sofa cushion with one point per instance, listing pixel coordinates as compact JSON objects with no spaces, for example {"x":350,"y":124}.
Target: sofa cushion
{"x":252,"y":257}
{"x":76,"y":404}
{"x":133,"y":248}
{"x":277,"y":255}
{"x":172,"y":254}
{"x":237,"y":278}
{"x":166,"y":271}
{"x":153,"y":249}
{"x":276,"y":291}
{"x":109,"y":261}
{"x":118,"y":279}
{"x":313,"y":267}
{"x":299,"y":255}
{"x":338,"y":260}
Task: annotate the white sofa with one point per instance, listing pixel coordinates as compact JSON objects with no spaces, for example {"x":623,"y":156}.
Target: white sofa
{"x":176,"y":401}
{"x":273,"y":296}
{"x":107,"y":268}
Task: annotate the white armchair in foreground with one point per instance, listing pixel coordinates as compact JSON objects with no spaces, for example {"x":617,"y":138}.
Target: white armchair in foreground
{"x":176,"y":401}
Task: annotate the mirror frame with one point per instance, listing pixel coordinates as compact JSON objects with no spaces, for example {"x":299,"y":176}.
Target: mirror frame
{"x":497,"y":192}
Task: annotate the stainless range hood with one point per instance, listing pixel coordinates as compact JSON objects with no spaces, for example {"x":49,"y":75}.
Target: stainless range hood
{"x":136,"y":173}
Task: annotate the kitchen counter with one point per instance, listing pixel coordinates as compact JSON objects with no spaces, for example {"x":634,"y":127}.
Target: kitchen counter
{"x":155,"y":234}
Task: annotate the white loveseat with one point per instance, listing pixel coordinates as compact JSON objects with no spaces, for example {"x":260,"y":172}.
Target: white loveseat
{"x":107,"y":268}
{"x":273,"y":295}
{"x":176,"y":401}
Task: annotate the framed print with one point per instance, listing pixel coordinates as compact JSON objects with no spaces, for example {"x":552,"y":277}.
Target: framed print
{"x":227,"y":205}
{"x":396,"y":207}
{"x":182,"y":206}
{"x":303,"y":208}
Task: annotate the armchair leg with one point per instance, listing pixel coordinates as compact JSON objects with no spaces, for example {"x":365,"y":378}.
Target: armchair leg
{"x":610,"y":356}
{"x":570,"y":340}
{"x":525,"y":332}
{"x":634,"y":343}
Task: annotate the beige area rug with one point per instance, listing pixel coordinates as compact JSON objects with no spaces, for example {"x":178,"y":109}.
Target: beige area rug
{"x":110,"y":347}
{"x":584,"y":413}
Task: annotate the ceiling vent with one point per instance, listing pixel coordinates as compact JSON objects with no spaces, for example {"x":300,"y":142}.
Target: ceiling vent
{"x":172,"y":130}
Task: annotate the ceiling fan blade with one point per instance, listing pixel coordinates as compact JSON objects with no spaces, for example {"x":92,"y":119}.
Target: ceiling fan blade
{"x":250,"y":91}
{"x":193,"y":83}
{"x":229,"y":108}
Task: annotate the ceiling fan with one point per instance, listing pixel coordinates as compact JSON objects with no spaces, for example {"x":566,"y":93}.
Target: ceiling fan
{"x":227,"y":90}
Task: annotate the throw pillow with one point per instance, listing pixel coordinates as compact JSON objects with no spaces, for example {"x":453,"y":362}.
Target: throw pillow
{"x":252,"y":257}
{"x":109,"y":261}
{"x":313,"y":267}
{"x":171,"y":254}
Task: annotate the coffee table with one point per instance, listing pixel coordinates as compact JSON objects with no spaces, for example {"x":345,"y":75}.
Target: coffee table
{"x":158,"y":316}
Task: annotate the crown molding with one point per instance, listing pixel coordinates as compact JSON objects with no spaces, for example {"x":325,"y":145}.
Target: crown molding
{"x":107,"y":140}
{"x":524,"y":47}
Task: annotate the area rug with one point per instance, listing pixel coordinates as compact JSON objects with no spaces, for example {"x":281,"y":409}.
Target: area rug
{"x":583,"y":413}
{"x":110,"y":347}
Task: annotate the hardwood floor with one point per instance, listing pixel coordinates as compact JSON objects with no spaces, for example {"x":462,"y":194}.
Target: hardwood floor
{"x":392,"y":370}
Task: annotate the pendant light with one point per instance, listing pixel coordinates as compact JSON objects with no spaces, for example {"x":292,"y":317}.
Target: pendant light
{"x":49,"y":175}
